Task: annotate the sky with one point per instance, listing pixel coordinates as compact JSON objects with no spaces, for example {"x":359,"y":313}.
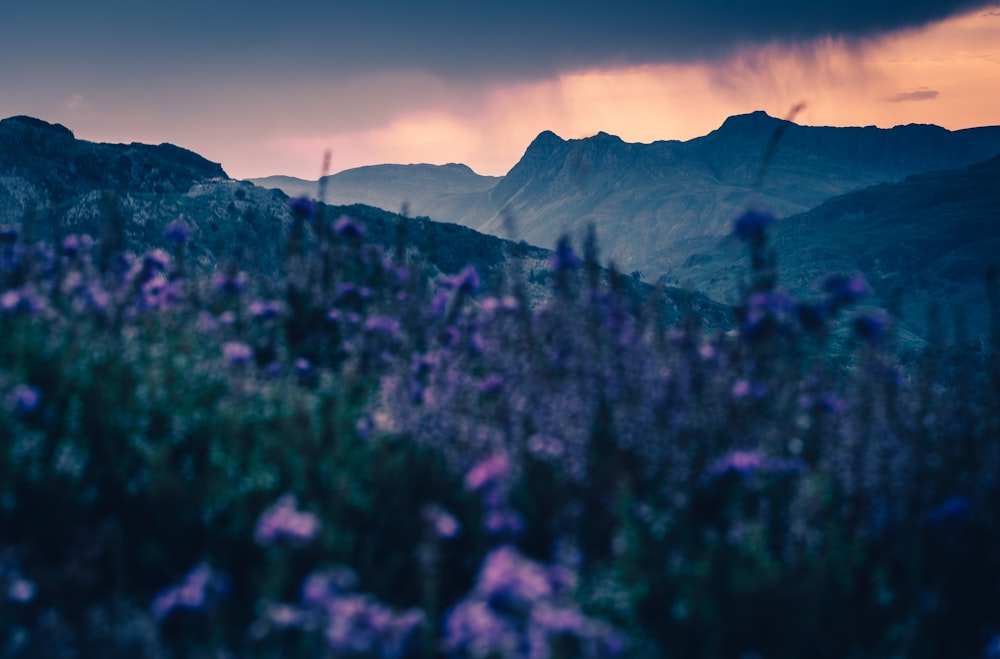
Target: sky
{"x":267,"y":87}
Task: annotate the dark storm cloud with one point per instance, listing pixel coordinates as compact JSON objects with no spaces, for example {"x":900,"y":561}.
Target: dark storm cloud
{"x":453,"y":38}
{"x":915,"y":95}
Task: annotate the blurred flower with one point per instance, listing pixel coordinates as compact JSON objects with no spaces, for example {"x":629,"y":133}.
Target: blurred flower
{"x":303,"y":208}
{"x":564,"y":258}
{"x":766,"y":312}
{"x":444,"y":524}
{"x":21,"y":590}
{"x":8,"y":234}
{"x":743,"y":388}
{"x":231,"y":283}
{"x":466,"y":282}
{"x":266,"y":309}
{"x":502,"y":521}
{"x":383,"y":326}
{"x":491,"y":471}
{"x":283,"y":522}
{"x":320,"y":586}
{"x":22,"y":301}
{"x":747,"y":463}
{"x":473,"y":629}
{"x":508,"y":581}
{"x":752,"y":225}
{"x":491,"y":384}
{"x":236,"y":353}
{"x":199,"y":588}
{"x":25,"y":399}
{"x":845,"y":289}
{"x":177,"y":232}
{"x":349,"y":228}
{"x":871,"y":325}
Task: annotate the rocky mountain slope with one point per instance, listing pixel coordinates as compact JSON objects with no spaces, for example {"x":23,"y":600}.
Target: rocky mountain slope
{"x":925,"y":245}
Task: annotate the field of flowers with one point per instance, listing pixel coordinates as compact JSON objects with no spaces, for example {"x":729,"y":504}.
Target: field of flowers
{"x":358,"y":460}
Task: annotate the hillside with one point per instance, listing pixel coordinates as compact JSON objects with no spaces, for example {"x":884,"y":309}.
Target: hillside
{"x":924,"y":242}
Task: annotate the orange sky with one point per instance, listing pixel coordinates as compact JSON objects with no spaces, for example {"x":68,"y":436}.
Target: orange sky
{"x":947,"y":73}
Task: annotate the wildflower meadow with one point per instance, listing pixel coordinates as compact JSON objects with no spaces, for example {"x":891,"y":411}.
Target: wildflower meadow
{"x":360,"y":456}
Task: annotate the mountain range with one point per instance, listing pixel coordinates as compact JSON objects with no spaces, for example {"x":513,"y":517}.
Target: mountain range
{"x":907,"y":206}
{"x":654,"y":204}
{"x":52,"y":184}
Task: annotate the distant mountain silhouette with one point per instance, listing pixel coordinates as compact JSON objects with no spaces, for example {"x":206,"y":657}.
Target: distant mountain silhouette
{"x":444,"y":192}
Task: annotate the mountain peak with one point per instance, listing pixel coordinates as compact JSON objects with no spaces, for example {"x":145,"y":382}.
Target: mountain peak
{"x":546,"y":140}
{"x":751,"y":122}
{"x":23,"y":121}
{"x":607,"y":137}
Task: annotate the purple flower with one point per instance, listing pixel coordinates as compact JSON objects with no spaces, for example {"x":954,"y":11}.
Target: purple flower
{"x":383,"y":326}
{"x":764,"y":313}
{"x":508,"y":581}
{"x":845,"y":289}
{"x":493,"y":470}
{"x":564,"y":258}
{"x":444,"y":524}
{"x":502,"y":521}
{"x":748,"y":463}
{"x":870,"y":325}
{"x":472,"y":628}
{"x":283,"y":522}
{"x":199,"y":588}
{"x":266,"y":309}
{"x":231,"y":283}
{"x":745,"y":389}
{"x":491,"y":384}
{"x":236,"y":353}
{"x":319,"y":587}
{"x":22,"y":301}
{"x":21,"y":590}
{"x":348,"y":228}
{"x":25,"y":399}
{"x":303,"y":208}
{"x":467,"y":281}
{"x":752,"y":225}
{"x":177,"y":232}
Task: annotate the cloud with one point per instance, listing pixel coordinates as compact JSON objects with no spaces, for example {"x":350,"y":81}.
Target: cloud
{"x":455,"y":39}
{"x":922,"y":94}
{"x":77,"y":102}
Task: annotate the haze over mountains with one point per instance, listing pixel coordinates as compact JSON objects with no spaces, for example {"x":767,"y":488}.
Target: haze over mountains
{"x":653,"y":204}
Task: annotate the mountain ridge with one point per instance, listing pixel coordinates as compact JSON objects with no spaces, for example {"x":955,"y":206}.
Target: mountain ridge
{"x":652,"y":203}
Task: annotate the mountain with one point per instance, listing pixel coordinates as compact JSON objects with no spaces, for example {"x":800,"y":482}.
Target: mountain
{"x":923,"y":243}
{"x":654,"y":204}
{"x":52,"y":184}
{"x":448,"y":193}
